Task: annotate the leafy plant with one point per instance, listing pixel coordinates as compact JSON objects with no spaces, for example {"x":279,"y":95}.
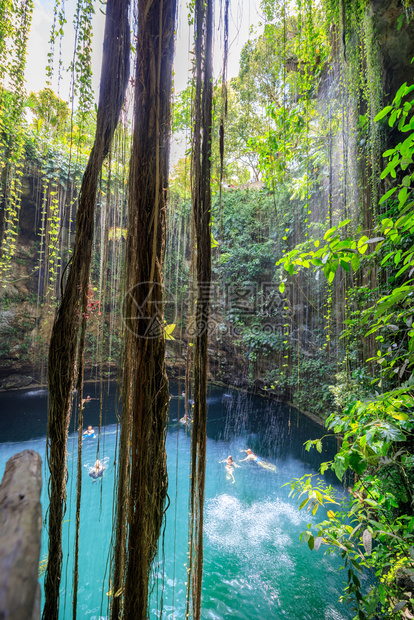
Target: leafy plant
{"x":377,"y":433}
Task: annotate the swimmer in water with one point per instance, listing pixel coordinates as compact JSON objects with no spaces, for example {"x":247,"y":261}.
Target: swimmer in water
{"x":257,"y":459}
{"x":97,"y":471}
{"x":230,"y":465}
{"x":89,"y":432}
{"x":184,"y":419}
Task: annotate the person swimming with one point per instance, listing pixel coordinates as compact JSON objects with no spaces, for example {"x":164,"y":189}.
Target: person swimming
{"x":185,"y":419}
{"x":98,"y":470}
{"x":251,"y":456}
{"x":257,"y":459}
{"x":230,"y":465}
{"x":89,"y":432}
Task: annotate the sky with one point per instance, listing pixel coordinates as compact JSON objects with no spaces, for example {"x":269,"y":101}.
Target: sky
{"x":243,"y":16}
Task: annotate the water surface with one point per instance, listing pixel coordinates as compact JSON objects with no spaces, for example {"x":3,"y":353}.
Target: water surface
{"x":254,"y":566}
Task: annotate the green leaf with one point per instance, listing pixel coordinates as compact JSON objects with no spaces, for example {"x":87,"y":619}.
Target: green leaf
{"x":394,"y":115}
{"x":388,"y":194}
{"x":355,"y":262}
{"x":383,"y":113}
{"x":387,"y":257}
{"x":282,"y":287}
{"x":402,"y":196}
{"x":339,"y":466}
{"x":311,"y":542}
{"x":397,"y":257}
{"x":389,"y":432}
{"x":168,"y":330}
{"x":329,"y":232}
{"x":390,"y":169}
{"x":357,"y":462}
{"x":324,"y":467}
{"x":214,"y":243}
{"x":363,"y":244}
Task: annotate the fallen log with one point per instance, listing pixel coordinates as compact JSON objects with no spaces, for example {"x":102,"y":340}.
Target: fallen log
{"x":20,"y":534}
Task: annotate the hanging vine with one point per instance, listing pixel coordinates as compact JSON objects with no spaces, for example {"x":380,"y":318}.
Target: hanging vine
{"x":142,"y":476}
{"x":15,"y":20}
{"x":201,"y":170}
{"x":73,"y":304}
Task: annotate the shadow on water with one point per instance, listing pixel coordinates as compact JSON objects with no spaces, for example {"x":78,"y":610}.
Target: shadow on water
{"x":23,"y":413}
{"x":273,"y":430}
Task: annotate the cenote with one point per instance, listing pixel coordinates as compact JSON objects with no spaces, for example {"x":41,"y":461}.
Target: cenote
{"x":254,"y":566}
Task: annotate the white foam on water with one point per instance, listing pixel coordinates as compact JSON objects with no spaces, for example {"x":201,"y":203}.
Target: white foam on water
{"x":240,"y":527}
{"x":35,"y":393}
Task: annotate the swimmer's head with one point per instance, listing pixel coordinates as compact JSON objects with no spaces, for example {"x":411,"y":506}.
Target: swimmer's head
{"x":89,"y":428}
{"x":249,"y":451}
{"x":97,"y":464}
{"x":229,"y":458}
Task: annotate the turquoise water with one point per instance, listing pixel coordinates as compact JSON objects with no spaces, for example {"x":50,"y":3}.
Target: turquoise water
{"x":254,"y":566}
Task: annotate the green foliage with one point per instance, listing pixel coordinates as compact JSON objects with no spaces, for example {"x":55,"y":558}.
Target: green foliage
{"x":50,"y":113}
{"x":240,"y":125}
{"x":82,"y":64}
{"x":369,"y":536}
{"x":307,"y":381}
{"x":15,"y":20}
{"x":350,"y":387}
{"x":258,"y":342}
{"x":282,"y":70}
{"x":180,"y":187}
{"x":376,"y":430}
{"x":336,"y":251}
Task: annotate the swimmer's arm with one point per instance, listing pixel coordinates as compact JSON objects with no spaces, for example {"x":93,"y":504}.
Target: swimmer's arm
{"x":246,"y":459}
{"x":235,"y":464}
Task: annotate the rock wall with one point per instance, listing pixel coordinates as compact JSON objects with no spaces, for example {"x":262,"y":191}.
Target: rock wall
{"x":396,"y":46}
{"x":25,"y":325}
